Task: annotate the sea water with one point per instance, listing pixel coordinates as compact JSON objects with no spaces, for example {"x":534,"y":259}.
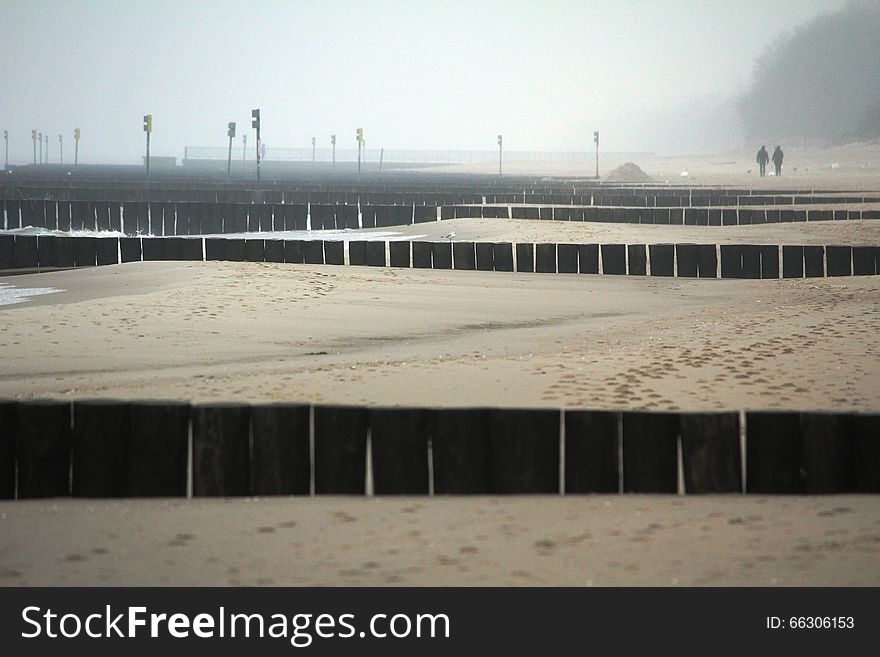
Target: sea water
{"x":344,"y":235}
{"x":9,"y":294}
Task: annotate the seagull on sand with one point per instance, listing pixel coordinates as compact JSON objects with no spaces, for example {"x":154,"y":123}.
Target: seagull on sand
{"x":448,"y":236}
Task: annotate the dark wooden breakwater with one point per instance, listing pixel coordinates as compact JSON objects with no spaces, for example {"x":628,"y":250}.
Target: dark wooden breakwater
{"x":683,"y":260}
{"x":141,"y":218}
{"x":112,"y":448}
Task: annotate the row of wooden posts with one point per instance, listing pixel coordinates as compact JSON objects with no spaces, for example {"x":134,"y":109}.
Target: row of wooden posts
{"x":173,"y":219}
{"x":111,"y":448}
{"x":422,"y":189}
{"x":684,"y":260}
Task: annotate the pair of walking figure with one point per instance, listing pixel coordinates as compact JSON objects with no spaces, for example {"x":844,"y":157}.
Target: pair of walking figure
{"x":764,"y":157}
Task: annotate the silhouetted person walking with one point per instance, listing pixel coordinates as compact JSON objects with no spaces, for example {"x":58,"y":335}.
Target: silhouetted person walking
{"x":777,"y":160}
{"x":763,"y":158}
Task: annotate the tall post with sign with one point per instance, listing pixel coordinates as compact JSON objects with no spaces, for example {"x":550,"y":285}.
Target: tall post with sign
{"x":76,"y":146}
{"x":230,"y":132}
{"x":255,"y":115}
{"x":148,"y":128}
{"x":360,"y":139}
{"x":333,"y":144}
{"x":596,"y":139}
{"x":500,"y":142}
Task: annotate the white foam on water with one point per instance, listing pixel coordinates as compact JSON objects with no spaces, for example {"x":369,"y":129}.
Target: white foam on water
{"x":344,"y":235}
{"x":9,"y":294}
{"x":43,"y":232}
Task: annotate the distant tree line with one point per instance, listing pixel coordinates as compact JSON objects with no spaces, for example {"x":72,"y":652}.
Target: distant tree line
{"x":822,"y":80}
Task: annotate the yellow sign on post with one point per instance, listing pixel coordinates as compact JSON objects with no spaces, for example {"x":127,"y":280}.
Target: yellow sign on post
{"x":360,"y":135}
{"x":148,"y":123}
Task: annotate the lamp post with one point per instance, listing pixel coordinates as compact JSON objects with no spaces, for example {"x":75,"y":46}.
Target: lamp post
{"x":255,"y":114}
{"x":6,"y":140}
{"x":333,"y":144}
{"x":360,"y":140}
{"x":34,"y":139}
{"x":40,"y":137}
{"x":230,"y":131}
{"x":148,"y":128}
{"x":243,"y":151}
{"x":60,"y":149}
{"x":500,"y":146}
{"x":76,"y":147}
{"x":596,"y":139}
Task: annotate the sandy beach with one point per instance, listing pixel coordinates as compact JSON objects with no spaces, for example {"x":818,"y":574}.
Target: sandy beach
{"x":865,"y":231}
{"x":271,"y":332}
{"x":640,"y":540}
{"x":857,"y":167}
{"x":261,"y":332}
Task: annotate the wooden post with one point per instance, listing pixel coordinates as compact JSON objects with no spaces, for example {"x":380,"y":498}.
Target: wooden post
{"x":399,"y":252}
{"x":650,"y":449}
{"x":399,"y":438}
{"x":525,"y":257}
{"x":42,"y":448}
{"x":774,"y":453}
{"x":710,"y":451}
{"x":100,"y":448}
{"x":220,"y":440}
{"x":157,"y":449}
{"x":866,"y":452}
{"x":591,"y":452}
{"x":525,"y":450}
{"x":460,"y":448}
{"x":8,"y":422}
{"x":827,"y":443}
{"x":613,"y":258}
{"x":637,"y":260}
{"x":280,"y":459}
{"x":340,"y":450}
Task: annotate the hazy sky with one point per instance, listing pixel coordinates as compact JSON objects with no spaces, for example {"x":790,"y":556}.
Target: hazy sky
{"x":431,"y":74}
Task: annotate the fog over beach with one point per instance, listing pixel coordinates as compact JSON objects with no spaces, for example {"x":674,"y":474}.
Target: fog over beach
{"x":666,"y":77}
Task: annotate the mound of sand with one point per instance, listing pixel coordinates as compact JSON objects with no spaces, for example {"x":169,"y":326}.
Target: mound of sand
{"x":628,"y":173}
